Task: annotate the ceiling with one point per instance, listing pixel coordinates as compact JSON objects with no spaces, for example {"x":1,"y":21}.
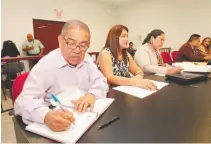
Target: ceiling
{"x":117,"y":2}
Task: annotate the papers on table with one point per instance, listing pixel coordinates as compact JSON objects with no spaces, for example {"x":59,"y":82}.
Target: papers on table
{"x":163,"y":75}
{"x":82,"y":122}
{"x":194,"y":67}
{"x":139,"y":92}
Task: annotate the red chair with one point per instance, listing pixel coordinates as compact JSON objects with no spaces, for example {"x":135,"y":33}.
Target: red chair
{"x":174,"y":55}
{"x":166,"y":57}
{"x":17,"y":88}
{"x":18,"y":85}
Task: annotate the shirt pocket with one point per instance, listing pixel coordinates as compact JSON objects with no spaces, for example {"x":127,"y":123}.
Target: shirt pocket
{"x":84,"y":82}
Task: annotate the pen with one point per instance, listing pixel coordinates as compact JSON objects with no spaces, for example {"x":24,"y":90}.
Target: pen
{"x":107,"y":123}
{"x":57,"y":100}
{"x":72,"y":107}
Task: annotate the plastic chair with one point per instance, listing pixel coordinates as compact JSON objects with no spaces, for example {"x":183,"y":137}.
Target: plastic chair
{"x":17,"y":87}
{"x":166,"y":57}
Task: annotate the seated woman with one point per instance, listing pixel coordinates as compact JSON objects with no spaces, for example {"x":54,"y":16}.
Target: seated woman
{"x":148,"y":57}
{"x":115,"y":62}
{"x":9,"y":49}
{"x":204,"y":49}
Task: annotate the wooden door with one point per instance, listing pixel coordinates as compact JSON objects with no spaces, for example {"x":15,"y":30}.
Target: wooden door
{"x":47,"y":32}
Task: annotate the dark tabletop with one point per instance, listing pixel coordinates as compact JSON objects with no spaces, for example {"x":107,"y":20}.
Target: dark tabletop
{"x":177,"y":113}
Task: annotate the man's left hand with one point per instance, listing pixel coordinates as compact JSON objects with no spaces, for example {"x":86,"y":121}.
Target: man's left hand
{"x":84,"y":102}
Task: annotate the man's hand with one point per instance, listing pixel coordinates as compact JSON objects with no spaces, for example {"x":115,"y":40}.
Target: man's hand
{"x":59,"y":120}
{"x":28,"y":48}
{"x":207,"y":57}
{"x":84,"y":102}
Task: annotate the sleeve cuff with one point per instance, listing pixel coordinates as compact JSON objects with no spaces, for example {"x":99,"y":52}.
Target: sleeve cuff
{"x":98,"y":94}
{"x":38,"y":115}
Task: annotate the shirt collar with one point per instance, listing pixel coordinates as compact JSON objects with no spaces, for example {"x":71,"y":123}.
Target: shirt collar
{"x":62,"y":62}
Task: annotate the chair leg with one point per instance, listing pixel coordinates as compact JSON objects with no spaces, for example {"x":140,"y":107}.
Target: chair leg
{"x":11,"y":113}
{"x":4,"y":89}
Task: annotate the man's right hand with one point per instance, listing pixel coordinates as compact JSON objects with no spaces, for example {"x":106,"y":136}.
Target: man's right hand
{"x":59,"y":120}
{"x":207,"y":58}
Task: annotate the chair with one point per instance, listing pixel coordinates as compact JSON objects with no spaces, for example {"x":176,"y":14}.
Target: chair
{"x":174,"y":55}
{"x":12,"y":70}
{"x":166,"y":57}
{"x":94,"y":56}
{"x":17,"y":87}
{"x":165,"y":50}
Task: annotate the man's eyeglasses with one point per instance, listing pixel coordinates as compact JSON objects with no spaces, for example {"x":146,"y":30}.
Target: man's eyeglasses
{"x":73,"y":45}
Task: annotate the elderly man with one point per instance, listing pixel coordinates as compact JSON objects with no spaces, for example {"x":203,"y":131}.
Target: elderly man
{"x":65,"y":67}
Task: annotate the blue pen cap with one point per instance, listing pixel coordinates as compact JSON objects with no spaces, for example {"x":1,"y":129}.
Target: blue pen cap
{"x":54,"y":98}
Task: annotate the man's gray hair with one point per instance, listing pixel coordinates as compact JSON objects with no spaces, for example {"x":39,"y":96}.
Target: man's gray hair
{"x":74,"y":24}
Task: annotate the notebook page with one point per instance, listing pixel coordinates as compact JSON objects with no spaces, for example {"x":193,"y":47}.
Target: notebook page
{"x":140,"y":92}
{"x":82,"y":123}
{"x":67,"y":96}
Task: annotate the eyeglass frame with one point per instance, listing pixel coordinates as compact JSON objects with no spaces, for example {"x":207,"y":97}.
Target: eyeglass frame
{"x":79,"y":46}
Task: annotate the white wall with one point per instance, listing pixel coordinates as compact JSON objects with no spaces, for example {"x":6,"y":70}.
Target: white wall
{"x":17,"y":17}
{"x":177,"y":18}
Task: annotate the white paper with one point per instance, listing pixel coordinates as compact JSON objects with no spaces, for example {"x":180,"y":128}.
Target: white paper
{"x":192,"y":67}
{"x":82,"y":123}
{"x":140,"y":92}
{"x":67,"y":96}
{"x":157,"y":74}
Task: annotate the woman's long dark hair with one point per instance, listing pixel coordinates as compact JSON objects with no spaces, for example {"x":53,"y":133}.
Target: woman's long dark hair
{"x":202,"y":43}
{"x":155,"y":33}
{"x":9,"y":49}
{"x":112,"y":41}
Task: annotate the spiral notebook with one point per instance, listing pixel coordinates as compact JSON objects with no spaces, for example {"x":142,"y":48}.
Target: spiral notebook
{"x":82,"y":123}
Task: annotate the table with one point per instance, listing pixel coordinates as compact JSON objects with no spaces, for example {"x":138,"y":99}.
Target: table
{"x":14,"y":59}
{"x":177,"y":113}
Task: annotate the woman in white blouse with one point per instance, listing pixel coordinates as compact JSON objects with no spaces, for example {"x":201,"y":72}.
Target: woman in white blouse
{"x":148,"y":57}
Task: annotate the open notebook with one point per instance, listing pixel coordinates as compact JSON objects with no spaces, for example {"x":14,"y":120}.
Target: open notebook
{"x":140,"y":92}
{"x":82,"y":123}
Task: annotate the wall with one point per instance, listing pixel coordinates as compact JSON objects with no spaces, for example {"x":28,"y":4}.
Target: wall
{"x":17,"y":17}
{"x":178,"y":19}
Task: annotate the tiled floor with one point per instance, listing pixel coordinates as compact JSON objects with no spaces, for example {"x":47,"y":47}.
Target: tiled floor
{"x":7,"y":126}
{"x":7,"y":129}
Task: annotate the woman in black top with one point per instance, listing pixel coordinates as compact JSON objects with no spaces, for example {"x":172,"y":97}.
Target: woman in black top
{"x":9,"y":49}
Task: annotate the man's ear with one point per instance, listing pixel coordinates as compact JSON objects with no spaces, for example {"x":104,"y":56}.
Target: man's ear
{"x":60,"y":39}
